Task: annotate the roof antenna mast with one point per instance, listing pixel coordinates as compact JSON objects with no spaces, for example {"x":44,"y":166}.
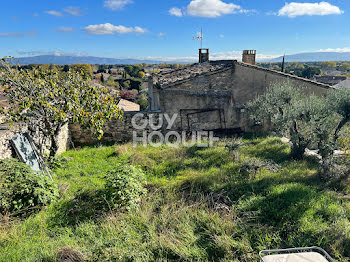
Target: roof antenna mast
{"x":199,"y":37}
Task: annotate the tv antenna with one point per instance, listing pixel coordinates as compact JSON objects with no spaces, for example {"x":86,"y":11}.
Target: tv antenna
{"x":199,"y":37}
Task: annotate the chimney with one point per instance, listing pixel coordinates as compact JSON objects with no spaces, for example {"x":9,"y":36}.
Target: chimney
{"x":249,"y":57}
{"x":203,"y":55}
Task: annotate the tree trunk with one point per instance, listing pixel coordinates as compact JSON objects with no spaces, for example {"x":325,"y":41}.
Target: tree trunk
{"x":54,"y":146}
{"x":339,"y":127}
{"x":297,"y":151}
{"x":54,"y":143}
{"x":298,"y":144}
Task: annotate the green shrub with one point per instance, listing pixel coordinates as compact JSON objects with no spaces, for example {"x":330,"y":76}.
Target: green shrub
{"x":22,"y":190}
{"x":57,"y":162}
{"x":124,"y":187}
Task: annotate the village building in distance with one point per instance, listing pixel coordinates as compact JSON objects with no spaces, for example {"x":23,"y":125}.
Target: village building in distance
{"x":128,"y":106}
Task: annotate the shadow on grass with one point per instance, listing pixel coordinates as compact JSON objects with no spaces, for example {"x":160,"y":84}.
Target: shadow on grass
{"x":286,"y":204}
{"x":85,"y":206}
{"x":271,"y":149}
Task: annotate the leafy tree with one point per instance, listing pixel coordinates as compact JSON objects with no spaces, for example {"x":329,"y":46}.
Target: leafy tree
{"x":65,"y":68}
{"x":55,"y":99}
{"x":129,"y":69}
{"x":293,"y":65}
{"x":328,"y":64}
{"x":110,"y":81}
{"x":275,"y":106}
{"x":339,"y":101}
{"x":176,"y":66}
{"x":164,"y":65}
{"x":102,"y":78}
{"x":344,"y":67}
{"x":84,"y":69}
{"x":141,"y":74}
{"x":142,"y":100}
{"x":101,"y":69}
{"x":126,"y":84}
{"x":320,"y":121}
{"x":276,"y":67}
{"x":305,"y":120}
{"x":310,"y":72}
{"x":344,"y":141}
{"x":137,"y":68}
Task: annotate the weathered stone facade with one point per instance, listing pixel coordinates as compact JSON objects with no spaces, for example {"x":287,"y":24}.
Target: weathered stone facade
{"x":116,"y":130}
{"x":212,"y":96}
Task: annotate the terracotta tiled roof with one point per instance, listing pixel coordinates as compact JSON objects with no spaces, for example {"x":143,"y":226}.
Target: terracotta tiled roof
{"x":3,"y":101}
{"x":128,"y":106}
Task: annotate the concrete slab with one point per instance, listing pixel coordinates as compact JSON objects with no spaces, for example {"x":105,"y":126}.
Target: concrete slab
{"x":298,"y":257}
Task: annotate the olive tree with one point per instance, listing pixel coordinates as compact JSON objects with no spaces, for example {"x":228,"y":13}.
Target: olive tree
{"x":55,"y":99}
{"x":307,"y":121}
{"x":277,"y":106}
{"x":339,"y":101}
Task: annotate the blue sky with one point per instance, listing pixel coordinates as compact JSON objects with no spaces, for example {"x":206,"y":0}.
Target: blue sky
{"x":164,"y":28}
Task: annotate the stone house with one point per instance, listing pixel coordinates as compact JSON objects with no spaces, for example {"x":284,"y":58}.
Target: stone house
{"x":212,"y":95}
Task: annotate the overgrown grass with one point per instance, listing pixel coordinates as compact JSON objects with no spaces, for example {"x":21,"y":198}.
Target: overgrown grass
{"x":203,"y":204}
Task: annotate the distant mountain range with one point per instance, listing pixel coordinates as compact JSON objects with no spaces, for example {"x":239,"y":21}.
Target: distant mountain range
{"x":314,"y":57}
{"x":69,"y":60}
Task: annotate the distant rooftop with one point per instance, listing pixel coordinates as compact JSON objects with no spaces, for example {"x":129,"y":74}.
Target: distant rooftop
{"x":345,"y":83}
{"x":128,"y":106}
{"x":330,"y":79}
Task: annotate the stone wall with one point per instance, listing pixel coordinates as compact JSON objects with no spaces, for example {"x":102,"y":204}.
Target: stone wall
{"x":7,"y":133}
{"x":116,"y":130}
{"x":250,"y":81}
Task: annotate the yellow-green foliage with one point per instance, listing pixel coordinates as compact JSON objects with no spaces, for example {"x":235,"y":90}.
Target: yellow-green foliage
{"x":55,"y":99}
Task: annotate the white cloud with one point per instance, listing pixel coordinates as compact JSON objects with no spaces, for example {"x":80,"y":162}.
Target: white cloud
{"x":299,"y":9}
{"x":222,"y":36}
{"x":209,"y":8}
{"x":339,"y":50}
{"x":52,"y":52}
{"x":14,"y":35}
{"x":109,"y":29}
{"x":237,"y":55}
{"x":212,"y":8}
{"x":54,"y":13}
{"x":161,"y":34}
{"x":117,"y":4}
{"x":140,"y":30}
{"x":230,"y":55}
{"x":176,"y":12}
{"x":72,"y":10}
{"x":65,"y":29}
{"x":32,"y":33}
